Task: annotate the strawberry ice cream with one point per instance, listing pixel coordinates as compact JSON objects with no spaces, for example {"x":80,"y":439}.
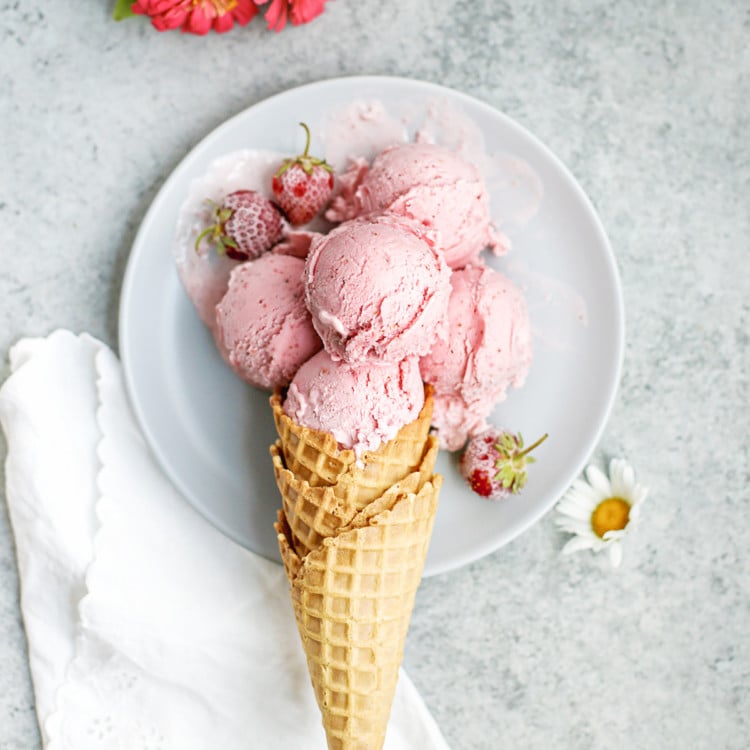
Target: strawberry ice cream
{"x":396,"y":294}
{"x":487,"y":350}
{"x":377,"y":290}
{"x":362,"y":406}
{"x":262,"y":321}
{"x":431,"y":185}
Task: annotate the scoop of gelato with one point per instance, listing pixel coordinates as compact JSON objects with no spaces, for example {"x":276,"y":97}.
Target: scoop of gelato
{"x":430,"y":185}
{"x":362,"y":406}
{"x":262,"y":322}
{"x":487,"y":350}
{"x":377,"y":290}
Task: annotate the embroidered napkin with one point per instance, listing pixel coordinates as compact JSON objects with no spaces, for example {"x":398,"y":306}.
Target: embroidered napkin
{"x":147,"y":628}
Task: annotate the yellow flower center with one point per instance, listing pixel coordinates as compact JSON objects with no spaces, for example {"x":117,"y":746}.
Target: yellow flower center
{"x":222,"y":6}
{"x":611,"y":514}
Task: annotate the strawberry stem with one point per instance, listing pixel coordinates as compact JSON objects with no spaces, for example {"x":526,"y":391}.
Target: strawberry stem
{"x":533,"y":445}
{"x":307,"y":139}
{"x":205,"y":232}
{"x":221,"y":216}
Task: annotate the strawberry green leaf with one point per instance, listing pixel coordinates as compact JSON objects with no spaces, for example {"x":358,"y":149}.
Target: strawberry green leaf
{"x":122,"y":10}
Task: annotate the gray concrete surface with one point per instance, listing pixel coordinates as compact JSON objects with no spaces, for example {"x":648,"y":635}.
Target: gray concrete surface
{"x":647,"y":103}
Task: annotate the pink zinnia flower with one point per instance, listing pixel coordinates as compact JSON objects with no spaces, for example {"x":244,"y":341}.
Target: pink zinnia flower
{"x":196,"y":16}
{"x":300,"y":11}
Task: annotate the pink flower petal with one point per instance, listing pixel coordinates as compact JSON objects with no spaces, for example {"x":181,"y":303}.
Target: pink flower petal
{"x":303,"y":11}
{"x":172,"y":19}
{"x":276,"y":15}
{"x":223,"y":23}
{"x":244,"y":12}
{"x":200,"y":16}
{"x":164,"y":6}
{"x":198,"y":22}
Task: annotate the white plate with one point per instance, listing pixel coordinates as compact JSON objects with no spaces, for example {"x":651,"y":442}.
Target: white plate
{"x":211,"y":432}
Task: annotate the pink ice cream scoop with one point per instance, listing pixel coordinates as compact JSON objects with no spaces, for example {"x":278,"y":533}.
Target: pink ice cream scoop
{"x":487,"y":350}
{"x":431,"y":185}
{"x":362,"y":406}
{"x":377,"y":290}
{"x":262,"y":321}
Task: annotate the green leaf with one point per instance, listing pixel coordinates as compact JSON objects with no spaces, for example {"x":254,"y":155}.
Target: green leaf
{"x":122,"y":10}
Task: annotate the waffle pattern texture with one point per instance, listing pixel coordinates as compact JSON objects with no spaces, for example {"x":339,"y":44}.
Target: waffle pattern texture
{"x":316,"y":457}
{"x":353,"y":537}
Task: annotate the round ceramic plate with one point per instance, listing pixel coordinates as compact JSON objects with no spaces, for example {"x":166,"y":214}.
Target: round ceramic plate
{"x":211,"y":432}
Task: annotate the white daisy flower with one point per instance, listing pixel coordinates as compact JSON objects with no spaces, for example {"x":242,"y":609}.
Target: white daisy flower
{"x":601,"y":511}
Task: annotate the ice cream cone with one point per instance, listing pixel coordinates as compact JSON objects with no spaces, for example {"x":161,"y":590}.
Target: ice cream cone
{"x":316,"y":457}
{"x":314,"y":513}
{"x":353,"y":535}
{"x":289,"y":556}
{"x":353,"y":595}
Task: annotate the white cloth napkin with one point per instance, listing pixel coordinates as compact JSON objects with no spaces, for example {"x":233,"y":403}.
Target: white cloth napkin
{"x":147,"y":628}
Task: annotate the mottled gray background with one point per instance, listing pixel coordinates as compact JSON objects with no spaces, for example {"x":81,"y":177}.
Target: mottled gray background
{"x":647,"y":102}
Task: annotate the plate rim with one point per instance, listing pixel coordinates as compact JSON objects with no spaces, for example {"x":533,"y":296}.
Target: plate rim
{"x":137,"y":249}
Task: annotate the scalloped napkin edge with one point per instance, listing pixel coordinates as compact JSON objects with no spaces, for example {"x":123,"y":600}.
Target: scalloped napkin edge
{"x":147,"y":628}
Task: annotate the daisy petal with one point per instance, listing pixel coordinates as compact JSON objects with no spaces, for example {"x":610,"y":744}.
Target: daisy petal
{"x":639,"y":494}
{"x":576,"y":544}
{"x":583,"y":494}
{"x":618,"y":466}
{"x":628,"y":475}
{"x":574,"y":511}
{"x":574,"y":527}
{"x":585,"y":489}
{"x":615,"y":554}
{"x":598,"y":480}
{"x":620,"y":487}
{"x":614,"y":535}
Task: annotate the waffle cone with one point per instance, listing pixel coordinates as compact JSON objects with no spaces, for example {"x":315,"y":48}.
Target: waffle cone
{"x":353,"y":595}
{"x":315,"y":456}
{"x":314,"y":513}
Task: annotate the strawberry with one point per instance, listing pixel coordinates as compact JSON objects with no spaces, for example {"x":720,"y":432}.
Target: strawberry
{"x":302,"y":185}
{"x":245,"y":225}
{"x":494,"y":463}
{"x":480,"y":482}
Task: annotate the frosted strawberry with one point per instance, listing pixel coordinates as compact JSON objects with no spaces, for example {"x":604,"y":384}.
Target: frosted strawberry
{"x":494,"y":463}
{"x":303,"y":185}
{"x":245,"y":225}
